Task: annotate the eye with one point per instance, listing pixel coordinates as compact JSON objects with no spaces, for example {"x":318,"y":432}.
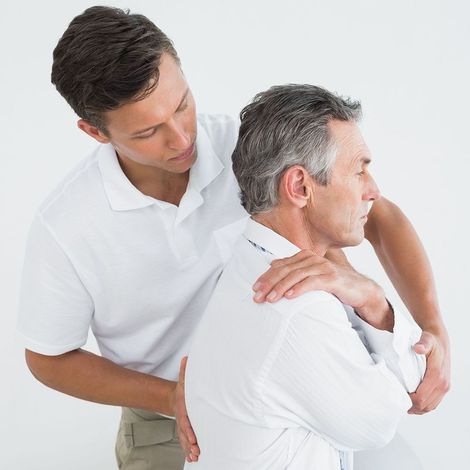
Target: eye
{"x":183,"y":106}
{"x":146,"y":136}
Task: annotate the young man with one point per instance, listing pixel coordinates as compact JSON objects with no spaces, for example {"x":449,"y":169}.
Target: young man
{"x":313,"y":378}
{"x":132,"y":242}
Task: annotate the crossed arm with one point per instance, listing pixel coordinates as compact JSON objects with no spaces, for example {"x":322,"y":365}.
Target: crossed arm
{"x":403,"y":257}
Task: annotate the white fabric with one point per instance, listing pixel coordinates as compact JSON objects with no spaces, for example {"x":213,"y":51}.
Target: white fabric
{"x":137,"y":270}
{"x":291,"y":384}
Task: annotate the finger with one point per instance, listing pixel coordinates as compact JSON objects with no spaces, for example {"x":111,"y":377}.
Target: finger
{"x":298,"y":257}
{"x":428,"y":391}
{"x":184,"y":444}
{"x":195,"y":451}
{"x":314,"y":274}
{"x":191,"y":451}
{"x":279,"y":279}
{"x":187,"y":429}
{"x":432,"y":404}
{"x":425,"y":344}
{"x":278,"y":264}
{"x":311,"y":283}
{"x":423,"y":394}
{"x":431,"y":401}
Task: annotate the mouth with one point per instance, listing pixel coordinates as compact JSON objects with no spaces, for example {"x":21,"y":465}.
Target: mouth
{"x":185,"y":155}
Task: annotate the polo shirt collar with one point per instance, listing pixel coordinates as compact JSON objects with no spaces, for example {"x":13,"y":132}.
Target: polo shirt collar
{"x":269,"y":240}
{"x":123,"y":195}
{"x":205,"y":169}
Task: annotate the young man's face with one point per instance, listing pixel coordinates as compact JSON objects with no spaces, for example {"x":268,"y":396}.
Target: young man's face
{"x":160,"y":130}
{"x":339,"y":211}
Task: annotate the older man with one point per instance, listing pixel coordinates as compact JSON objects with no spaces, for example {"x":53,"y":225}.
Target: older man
{"x":300,"y":383}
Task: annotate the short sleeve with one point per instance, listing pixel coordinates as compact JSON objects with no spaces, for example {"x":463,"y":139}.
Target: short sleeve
{"x":55,"y":309}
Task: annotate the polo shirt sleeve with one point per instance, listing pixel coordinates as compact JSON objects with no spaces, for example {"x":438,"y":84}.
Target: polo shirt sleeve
{"x":55,"y":309}
{"x":324,"y":379}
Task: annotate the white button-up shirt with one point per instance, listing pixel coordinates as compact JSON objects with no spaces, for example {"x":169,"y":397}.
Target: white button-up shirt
{"x":297,"y":384}
{"x":137,"y":271}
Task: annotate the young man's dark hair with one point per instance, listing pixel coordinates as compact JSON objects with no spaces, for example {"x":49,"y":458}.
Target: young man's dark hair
{"x":108,"y":57}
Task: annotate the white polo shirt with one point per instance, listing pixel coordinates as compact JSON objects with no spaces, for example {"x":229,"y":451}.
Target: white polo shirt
{"x":293,"y":385}
{"x":138,"y":271}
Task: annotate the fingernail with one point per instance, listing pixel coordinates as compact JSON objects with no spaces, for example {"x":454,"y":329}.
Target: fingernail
{"x":289,"y":292}
{"x":272,"y":295}
{"x":258,"y":296}
{"x":256,"y":286}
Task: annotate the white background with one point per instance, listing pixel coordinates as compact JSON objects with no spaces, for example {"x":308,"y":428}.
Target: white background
{"x":408,"y":62}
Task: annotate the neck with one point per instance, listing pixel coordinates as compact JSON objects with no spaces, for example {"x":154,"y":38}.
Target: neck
{"x":155,"y":182}
{"x":294,"y":227}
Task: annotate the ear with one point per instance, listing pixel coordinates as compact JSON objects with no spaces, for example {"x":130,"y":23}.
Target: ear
{"x":92,"y":131}
{"x":296,"y":185}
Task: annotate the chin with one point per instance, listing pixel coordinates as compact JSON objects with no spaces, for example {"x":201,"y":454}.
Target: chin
{"x":354,"y":239}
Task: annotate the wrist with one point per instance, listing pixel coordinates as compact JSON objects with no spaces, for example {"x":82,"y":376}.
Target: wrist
{"x":170,"y":401}
{"x":438,"y":330}
{"x":377,"y":311}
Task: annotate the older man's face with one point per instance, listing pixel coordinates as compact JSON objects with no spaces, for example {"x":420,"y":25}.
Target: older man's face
{"x":339,"y":210}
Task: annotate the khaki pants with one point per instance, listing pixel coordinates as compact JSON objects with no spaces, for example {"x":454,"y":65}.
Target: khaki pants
{"x":147,"y":441}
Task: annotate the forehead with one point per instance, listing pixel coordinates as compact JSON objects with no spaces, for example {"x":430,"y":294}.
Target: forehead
{"x":157,"y":106}
{"x":351,"y":147}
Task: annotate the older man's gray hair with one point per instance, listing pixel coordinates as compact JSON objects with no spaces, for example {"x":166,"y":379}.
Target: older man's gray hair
{"x":285,"y":126}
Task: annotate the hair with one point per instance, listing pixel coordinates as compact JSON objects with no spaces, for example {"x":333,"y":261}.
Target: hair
{"x":108,"y":57}
{"x":285,"y":126}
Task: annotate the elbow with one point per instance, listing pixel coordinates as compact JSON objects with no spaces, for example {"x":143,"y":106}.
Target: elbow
{"x":35,"y":363}
{"x":376,"y":426}
{"x":373,"y":434}
{"x":42,"y":367}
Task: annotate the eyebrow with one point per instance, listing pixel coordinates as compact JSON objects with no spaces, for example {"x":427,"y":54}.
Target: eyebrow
{"x":134,"y":134}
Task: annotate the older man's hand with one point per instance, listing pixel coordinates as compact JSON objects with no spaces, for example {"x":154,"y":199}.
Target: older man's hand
{"x":306,"y":271}
{"x":186,"y":434}
{"x":436,"y":382}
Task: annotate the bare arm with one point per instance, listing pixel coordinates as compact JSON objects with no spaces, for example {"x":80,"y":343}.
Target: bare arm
{"x":403,"y":257}
{"x":90,"y":377}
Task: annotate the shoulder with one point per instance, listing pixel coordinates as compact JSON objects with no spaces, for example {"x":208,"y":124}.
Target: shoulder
{"x":80,"y":179}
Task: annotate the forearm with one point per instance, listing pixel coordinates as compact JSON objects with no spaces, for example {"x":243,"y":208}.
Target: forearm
{"x":402,"y":255}
{"x":90,"y":377}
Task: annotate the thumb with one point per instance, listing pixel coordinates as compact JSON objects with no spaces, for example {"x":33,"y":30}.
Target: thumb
{"x":425,"y":344}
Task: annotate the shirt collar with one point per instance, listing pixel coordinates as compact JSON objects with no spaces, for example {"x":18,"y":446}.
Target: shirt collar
{"x":123,"y":195}
{"x":268,"y":239}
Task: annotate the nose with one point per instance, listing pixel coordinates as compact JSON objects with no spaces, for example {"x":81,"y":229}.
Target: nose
{"x":372,"y":192}
{"x":177,"y":138}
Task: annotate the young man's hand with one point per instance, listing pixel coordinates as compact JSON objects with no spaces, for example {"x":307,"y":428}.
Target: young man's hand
{"x":186,"y":434}
{"x":436,"y":382}
{"x":306,"y":271}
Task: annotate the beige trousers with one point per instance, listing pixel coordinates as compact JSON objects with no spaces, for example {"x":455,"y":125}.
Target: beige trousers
{"x":147,"y":441}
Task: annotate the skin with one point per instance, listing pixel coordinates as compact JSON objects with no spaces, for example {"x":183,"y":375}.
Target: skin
{"x":318,"y":218}
{"x":148,"y":160}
